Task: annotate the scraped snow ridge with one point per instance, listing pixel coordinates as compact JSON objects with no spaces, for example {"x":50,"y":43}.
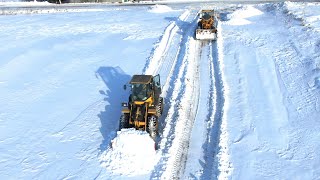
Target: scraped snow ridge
{"x":128,"y":148}
{"x":160,"y":9}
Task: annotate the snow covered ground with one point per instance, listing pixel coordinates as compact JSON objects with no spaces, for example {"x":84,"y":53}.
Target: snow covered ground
{"x":243,"y":107}
{"x":61,"y":87}
{"x":273,"y":96}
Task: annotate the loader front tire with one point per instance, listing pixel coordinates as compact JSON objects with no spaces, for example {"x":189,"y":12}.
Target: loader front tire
{"x":124,"y":121}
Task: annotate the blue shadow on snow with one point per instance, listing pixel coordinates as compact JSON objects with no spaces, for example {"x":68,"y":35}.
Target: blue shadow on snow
{"x":114,"y":78}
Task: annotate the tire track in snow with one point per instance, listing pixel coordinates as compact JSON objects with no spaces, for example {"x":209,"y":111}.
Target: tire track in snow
{"x":216,"y":158}
{"x":182,"y":90}
{"x":164,"y":57}
{"x":158,"y":58}
{"x":194,"y":168}
{"x":216,"y":101}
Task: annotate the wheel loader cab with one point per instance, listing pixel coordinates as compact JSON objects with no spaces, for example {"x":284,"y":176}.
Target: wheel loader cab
{"x":141,"y":89}
{"x":140,"y":92}
{"x":206,"y":16}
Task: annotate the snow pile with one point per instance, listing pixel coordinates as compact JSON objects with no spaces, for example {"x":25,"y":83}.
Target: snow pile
{"x":242,"y":17}
{"x":160,"y":9}
{"x":131,"y":153}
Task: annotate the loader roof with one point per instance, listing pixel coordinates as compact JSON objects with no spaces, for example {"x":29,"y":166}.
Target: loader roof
{"x":207,"y":10}
{"x":141,"y":79}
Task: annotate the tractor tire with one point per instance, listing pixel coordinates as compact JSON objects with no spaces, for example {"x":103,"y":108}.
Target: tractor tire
{"x":159,"y":107}
{"x":124,"y":121}
{"x":153,"y":126}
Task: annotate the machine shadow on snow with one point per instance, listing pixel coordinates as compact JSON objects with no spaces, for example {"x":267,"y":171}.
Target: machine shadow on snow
{"x":114,"y":79}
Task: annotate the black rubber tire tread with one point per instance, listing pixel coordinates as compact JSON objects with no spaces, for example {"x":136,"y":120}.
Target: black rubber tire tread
{"x":153,"y":126}
{"x":159,"y":107}
{"x":124,"y":121}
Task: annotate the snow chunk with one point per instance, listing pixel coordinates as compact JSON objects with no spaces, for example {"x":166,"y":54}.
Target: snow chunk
{"x":130,"y":150}
{"x":160,"y":9}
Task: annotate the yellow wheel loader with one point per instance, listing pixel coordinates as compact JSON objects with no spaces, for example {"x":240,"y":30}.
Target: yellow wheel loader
{"x":145,"y":105}
{"x":207,"y":25}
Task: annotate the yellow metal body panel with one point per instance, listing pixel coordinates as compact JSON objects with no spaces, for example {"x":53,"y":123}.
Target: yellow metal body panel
{"x":152,"y":111}
{"x":149,"y":101}
{"x":125,"y":110}
{"x":141,"y":79}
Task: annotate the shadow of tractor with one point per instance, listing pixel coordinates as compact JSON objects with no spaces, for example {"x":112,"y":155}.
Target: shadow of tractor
{"x":114,"y":79}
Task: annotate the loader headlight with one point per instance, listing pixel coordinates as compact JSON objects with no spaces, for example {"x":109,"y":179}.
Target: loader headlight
{"x":124,"y":105}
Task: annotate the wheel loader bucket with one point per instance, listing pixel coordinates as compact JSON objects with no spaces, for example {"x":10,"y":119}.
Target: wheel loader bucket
{"x":206,"y":34}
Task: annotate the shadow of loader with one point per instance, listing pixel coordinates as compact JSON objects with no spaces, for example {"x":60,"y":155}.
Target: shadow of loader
{"x":114,"y":79}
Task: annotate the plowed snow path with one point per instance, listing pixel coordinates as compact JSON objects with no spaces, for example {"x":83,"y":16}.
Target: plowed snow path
{"x":183,"y":90}
{"x":180,"y":93}
{"x":208,"y":152}
{"x":177,"y":61}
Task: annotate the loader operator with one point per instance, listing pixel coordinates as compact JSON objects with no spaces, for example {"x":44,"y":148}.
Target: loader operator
{"x":139,"y":92}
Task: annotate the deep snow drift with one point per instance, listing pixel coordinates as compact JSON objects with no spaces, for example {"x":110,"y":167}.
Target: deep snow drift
{"x":243,"y":107}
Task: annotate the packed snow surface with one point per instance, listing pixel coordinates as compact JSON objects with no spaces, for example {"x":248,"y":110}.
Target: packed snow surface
{"x":61,"y":87}
{"x":245,"y":106}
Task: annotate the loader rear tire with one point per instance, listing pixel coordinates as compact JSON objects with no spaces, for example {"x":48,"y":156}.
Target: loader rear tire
{"x":124,"y":121}
{"x":153,"y":126}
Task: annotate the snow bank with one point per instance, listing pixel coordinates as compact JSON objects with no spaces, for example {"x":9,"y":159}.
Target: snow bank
{"x":132,"y":153}
{"x":159,"y":9}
